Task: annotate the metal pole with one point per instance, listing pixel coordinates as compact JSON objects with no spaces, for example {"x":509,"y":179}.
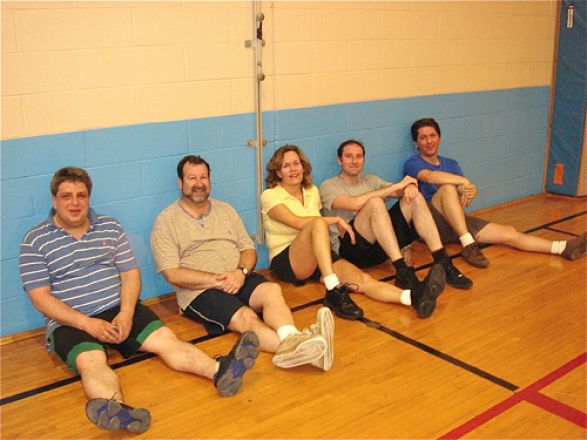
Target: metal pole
{"x":259,"y":77}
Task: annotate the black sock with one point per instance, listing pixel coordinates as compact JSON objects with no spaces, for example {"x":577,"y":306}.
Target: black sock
{"x":441,"y":257}
{"x":399,"y":264}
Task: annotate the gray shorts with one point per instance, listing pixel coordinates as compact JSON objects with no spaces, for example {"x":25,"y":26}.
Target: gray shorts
{"x":447,"y":233}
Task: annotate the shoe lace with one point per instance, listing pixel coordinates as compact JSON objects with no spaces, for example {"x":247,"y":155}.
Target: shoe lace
{"x":452,"y":271}
{"x":347,"y":288}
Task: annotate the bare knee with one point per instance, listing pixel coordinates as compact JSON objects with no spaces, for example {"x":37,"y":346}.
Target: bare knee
{"x":417,"y":204}
{"x":375,"y":205}
{"x":89,"y":360}
{"x":163,"y":333}
{"x":508,"y":234}
{"x":366,"y":279}
{"x":447,"y":190}
{"x":318,"y":224}
{"x":363,"y":279}
{"x":159,"y":341}
{"x":243,"y":320}
{"x":272,"y":292}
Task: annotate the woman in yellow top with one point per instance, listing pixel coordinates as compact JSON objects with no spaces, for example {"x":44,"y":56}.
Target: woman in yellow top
{"x":299,"y":245}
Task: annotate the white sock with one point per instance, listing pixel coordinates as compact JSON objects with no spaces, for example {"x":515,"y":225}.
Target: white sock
{"x":285,"y":330}
{"x":331,"y":281}
{"x":466,"y":239}
{"x":558,"y":247}
{"x":406,"y":297}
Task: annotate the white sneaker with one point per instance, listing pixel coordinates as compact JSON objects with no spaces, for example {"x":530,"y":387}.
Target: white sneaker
{"x":324,"y":327}
{"x":298,"y":349}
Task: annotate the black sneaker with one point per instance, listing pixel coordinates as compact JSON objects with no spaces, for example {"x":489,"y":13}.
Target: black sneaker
{"x":424,"y":297}
{"x":232,"y":367}
{"x":406,"y":279}
{"x":339,"y":301}
{"x":455,"y":278}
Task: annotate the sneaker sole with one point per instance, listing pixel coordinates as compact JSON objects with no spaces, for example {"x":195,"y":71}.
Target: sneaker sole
{"x":480,"y":266}
{"x":433,"y":286}
{"x":246,"y":351}
{"x":461,"y":286}
{"x":326,"y":325}
{"x":106,"y":414}
{"x":307,"y":352}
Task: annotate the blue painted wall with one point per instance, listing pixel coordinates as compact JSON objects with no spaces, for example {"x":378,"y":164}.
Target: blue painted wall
{"x":499,"y":138}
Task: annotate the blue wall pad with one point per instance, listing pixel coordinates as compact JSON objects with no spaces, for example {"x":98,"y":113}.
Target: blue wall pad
{"x":499,"y":138}
{"x":570,"y":98}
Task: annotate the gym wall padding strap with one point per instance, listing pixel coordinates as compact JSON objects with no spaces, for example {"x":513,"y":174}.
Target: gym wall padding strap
{"x":570,"y":97}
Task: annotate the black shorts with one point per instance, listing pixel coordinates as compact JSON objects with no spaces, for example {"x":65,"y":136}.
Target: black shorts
{"x":68,"y":342}
{"x":366,"y":254}
{"x":447,"y":233}
{"x":282,"y":269}
{"x":215,"y":308}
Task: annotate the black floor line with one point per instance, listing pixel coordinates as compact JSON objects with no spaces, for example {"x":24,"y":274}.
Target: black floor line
{"x":439,"y":354}
{"x":141,"y":357}
{"x":560,"y":231}
{"x":546,"y":225}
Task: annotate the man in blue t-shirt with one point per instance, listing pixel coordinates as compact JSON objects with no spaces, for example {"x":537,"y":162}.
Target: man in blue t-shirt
{"x":449,"y":192}
{"x":79,"y":270}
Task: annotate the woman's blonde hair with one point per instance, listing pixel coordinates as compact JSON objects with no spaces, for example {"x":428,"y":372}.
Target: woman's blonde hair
{"x":276,"y":162}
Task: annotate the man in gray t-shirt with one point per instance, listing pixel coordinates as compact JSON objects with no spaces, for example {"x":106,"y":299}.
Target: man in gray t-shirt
{"x":381,"y":233}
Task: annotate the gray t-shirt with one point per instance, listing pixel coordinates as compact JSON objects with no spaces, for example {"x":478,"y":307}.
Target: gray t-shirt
{"x":210,"y":244}
{"x":334,"y":187}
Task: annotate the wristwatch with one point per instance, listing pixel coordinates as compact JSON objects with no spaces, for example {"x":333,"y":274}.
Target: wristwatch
{"x":244,"y":269}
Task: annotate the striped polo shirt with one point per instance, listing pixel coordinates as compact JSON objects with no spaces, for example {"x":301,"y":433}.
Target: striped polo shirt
{"x":84,"y":273}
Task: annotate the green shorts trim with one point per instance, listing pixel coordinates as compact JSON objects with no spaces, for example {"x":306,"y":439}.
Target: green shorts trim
{"x":77,"y":350}
{"x":154,"y":325}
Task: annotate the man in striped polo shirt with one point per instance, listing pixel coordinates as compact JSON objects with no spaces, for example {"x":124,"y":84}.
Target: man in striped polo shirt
{"x":80,"y":272}
{"x":203,"y":250}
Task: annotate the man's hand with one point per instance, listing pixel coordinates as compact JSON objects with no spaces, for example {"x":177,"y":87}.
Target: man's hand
{"x":406,"y":181}
{"x":406,"y":188}
{"x":102,"y":330}
{"x":123,"y":325}
{"x":410,"y":192}
{"x":343,"y":227}
{"x":467,"y":192}
{"x":230,"y":282}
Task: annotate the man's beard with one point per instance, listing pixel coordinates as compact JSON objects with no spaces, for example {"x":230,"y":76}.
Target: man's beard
{"x":198,"y":197}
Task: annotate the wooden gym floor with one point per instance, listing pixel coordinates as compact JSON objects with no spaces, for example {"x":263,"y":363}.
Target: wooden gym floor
{"x":506,"y":359}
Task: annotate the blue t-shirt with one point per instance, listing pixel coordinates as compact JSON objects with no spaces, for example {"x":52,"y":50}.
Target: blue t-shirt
{"x":415,"y":164}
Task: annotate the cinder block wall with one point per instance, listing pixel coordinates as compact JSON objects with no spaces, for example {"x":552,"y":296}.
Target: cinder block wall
{"x":125,"y":89}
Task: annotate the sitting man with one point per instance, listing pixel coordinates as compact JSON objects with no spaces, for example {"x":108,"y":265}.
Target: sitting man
{"x":203,"y":250}
{"x":381,"y":233}
{"x":449,"y":192}
{"x":80,"y":272}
